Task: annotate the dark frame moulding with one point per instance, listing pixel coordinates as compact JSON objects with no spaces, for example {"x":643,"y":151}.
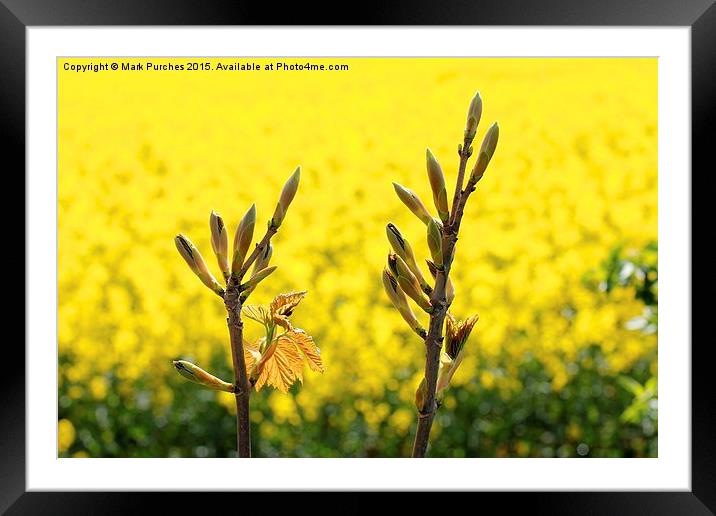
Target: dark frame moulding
{"x":700,"y":15}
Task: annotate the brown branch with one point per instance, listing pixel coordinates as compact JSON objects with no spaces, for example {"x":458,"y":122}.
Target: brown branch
{"x":233,"y":302}
{"x":241,"y":383}
{"x":465,"y":151}
{"x":434,"y":339}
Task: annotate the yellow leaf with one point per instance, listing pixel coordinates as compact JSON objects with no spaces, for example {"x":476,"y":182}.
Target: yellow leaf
{"x":283,"y":368}
{"x":258,"y":313}
{"x":305,"y":343}
{"x":283,"y":322}
{"x":251,"y":354}
{"x":283,"y":304}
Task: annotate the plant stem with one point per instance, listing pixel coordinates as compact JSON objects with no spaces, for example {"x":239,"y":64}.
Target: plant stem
{"x":241,"y":382}
{"x":233,"y":302}
{"x":434,"y":339}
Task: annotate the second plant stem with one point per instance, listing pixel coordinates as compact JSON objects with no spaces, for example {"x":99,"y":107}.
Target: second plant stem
{"x":438,"y":300}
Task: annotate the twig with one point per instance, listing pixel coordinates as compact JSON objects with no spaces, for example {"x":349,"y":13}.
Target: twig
{"x":434,"y":339}
{"x":233,"y":302}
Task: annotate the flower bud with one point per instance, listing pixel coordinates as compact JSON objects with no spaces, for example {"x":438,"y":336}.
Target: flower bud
{"x":243,"y":238}
{"x":437,"y":184}
{"x":196,"y":263}
{"x":261,"y":263}
{"x":220,"y":242}
{"x":474,"y":113}
{"x":264,"y":258}
{"x":413,"y":202}
{"x":198,"y":375}
{"x":402,"y":248}
{"x":408,"y":282}
{"x":487,"y":150}
{"x":400,"y":302}
{"x":287,"y":194}
{"x":435,"y":242}
{"x":257,"y":277}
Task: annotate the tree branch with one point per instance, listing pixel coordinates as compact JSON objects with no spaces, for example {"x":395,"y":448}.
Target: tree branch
{"x":241,"y":383}
{"x":233,"y":302}
{"x":434,"y":339}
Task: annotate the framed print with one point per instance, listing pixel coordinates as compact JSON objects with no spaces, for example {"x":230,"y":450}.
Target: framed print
{"x":335,"y":250}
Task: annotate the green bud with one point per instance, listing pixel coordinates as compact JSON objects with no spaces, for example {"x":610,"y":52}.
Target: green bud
{"x":474,"y":113}
{"x":413,"y":202}
{"x":264,"y":258}
{"x":261,"y":263}
{"x":400,"y":302}
{"x":287,"y":194}
{"x":435,"y":242}
{"x":487,"y":150}
{"x":408,"y":282}
{"x":402,"y":248}
{"x":198,"y":375}
{"x":196,"y":263}
{"x":437,"y":184}
{"x":220,"y":242}
{"x":242,"y":238}
{"x":256,"y":278}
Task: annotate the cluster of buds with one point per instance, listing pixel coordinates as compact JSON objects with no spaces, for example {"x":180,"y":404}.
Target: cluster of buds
{"x":243,"y":237}
{"x":232,"y":269}
{"x":403,"y":279}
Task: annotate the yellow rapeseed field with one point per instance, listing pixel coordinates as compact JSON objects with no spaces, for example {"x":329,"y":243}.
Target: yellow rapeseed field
{"x":146,"y":155}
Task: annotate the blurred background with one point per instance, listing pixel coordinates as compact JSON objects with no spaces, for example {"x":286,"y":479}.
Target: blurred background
{"x":557,"y":253}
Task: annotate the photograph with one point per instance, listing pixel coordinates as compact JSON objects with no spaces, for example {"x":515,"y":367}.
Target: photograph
{"x":357,"y":257}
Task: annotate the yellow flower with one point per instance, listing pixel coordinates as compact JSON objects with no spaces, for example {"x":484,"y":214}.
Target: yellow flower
{"x":278,"y":360}
{"x":65,"y":434}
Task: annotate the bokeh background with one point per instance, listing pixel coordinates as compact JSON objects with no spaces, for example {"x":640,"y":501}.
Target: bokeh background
{"x":558,"y":254}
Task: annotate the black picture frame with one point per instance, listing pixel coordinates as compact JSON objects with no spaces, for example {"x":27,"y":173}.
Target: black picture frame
{"x":699,"y":15}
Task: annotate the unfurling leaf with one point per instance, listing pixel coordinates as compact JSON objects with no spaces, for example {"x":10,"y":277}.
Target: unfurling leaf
{"x":258,"y":313}
{"x":304,"y":342}
{"x":284,"y":304}
{"x":283,"y":367}
{"x":456,"y":333}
